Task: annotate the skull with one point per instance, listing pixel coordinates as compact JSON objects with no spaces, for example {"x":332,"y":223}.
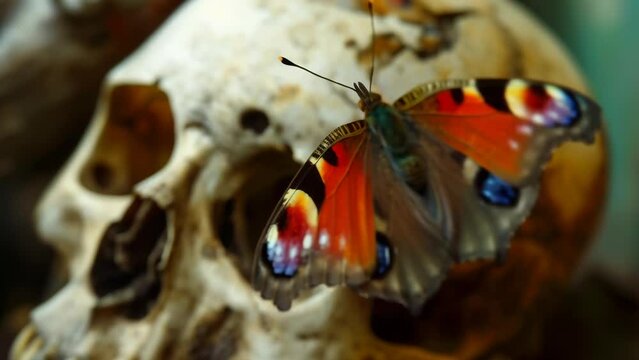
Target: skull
{"x":196,"y":135}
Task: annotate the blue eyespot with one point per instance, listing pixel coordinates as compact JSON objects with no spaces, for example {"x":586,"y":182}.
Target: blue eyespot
{"x":384,"y":256}
{"x":280,"y":266}
{"x":566,"y":111}
{"x":494,"y":190}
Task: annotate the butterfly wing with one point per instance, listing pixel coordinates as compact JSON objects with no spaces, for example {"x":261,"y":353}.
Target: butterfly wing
{"x":413,"y":252}
{"x":421,"y":233}
{"x":322,"y":231}
{"x":481,"y":158}
{"x":508,"y":127}
{"x":486,"y":142}
{"x":483,"y":211}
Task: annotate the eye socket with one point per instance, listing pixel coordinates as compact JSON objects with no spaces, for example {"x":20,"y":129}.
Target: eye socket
{"x":136,"y":141}
{"x":258,"y":184}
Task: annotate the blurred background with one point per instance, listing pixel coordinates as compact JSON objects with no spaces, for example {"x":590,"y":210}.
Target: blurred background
{"x":601,"y":35}
{"x":600,"y":316}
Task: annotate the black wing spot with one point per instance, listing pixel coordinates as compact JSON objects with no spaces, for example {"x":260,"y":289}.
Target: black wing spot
{"x":254,"y":119}
{"x":330,"y":157}
{"x":458,"y":157}
{"x":312,"y":184}
{"x":493,"y":92}
{"x":458,"y":95}
{"x":282,"y":220}
{"x":538,"y":90}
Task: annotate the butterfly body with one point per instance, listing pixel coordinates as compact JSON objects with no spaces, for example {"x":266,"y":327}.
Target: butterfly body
{"x":392,"y":129}
{"x":445,"y":174}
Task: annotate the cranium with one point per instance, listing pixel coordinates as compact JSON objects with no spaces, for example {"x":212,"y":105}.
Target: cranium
{"x":194,"y":138}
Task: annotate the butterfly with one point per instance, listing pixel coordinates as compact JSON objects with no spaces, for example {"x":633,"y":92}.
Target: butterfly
{"x":446,"y":174}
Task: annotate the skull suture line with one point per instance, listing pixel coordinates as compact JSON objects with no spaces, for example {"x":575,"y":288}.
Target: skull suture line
{"x":200,"y":146}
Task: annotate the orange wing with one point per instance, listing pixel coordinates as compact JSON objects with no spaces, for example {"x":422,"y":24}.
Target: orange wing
{"x":508,"y":127}
{"x":323,"y":231}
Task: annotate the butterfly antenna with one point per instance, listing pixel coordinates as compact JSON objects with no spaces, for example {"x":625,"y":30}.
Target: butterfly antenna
{"x":288,"y":62}
{"x":370,"y":12}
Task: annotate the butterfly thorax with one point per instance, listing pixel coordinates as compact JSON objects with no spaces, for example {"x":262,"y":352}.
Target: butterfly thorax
{"x":391,"y":128}
{"x":385,"y":121}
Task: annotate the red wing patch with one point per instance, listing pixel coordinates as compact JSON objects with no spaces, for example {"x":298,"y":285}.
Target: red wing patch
{"x":496,"y":141}
{"x":346,"y":229}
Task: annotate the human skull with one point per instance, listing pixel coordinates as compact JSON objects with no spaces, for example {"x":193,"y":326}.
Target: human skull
{"x":157,"y":213}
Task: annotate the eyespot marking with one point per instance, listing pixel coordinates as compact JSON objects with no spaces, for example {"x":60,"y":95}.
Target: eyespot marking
{"x":495,"y":191}
{"x":385,"y":256}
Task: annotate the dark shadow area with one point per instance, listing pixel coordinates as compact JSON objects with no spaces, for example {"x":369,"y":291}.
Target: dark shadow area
{"x":264,"y":178}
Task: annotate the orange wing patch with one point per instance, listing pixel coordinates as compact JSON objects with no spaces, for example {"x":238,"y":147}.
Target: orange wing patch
{"x":495,"y":140}
{"x":506,"y":126}
{"x":346,"y":227}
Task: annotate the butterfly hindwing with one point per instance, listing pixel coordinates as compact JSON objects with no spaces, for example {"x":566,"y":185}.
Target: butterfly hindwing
{"x":463,"y":213}
{"x":409,"y":232}
{"x":508,"y":127}
{"x":322,"y":231}
{"x":482,"y":211}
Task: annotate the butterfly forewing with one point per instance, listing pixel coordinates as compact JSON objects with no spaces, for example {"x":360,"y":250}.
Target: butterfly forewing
{"x":509,"y":127}
{"x":322,"y":232}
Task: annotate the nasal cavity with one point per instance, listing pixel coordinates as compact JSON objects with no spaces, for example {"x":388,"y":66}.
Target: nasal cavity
{"x":257,"y":183}
{"x":126,"y":270}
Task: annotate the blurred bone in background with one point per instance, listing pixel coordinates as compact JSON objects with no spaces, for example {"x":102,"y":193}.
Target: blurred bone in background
{"x":54,"y":55}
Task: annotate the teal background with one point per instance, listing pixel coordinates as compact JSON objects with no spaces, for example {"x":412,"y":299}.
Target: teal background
{"x":603,"y":37}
